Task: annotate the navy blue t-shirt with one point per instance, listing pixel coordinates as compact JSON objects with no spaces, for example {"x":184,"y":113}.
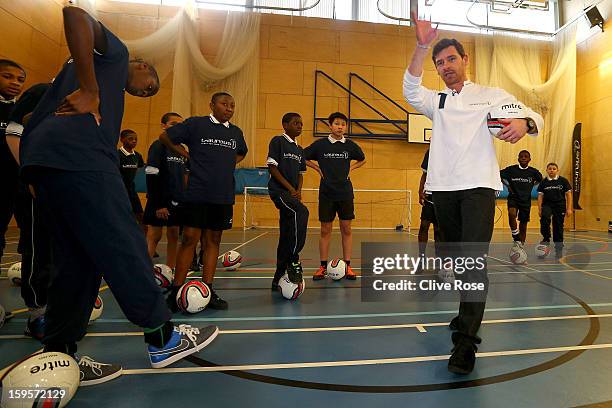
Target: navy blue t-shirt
{"x":213,"y":148}
{"x":520,"y":182}
{"x":77,"y":143}
{"x":554,"y":191}
{"x":335,"y":162}
{"x":288,"y":158}
{"x":166,"y":172}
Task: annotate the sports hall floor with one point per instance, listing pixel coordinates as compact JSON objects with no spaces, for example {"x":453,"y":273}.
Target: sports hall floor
{"x":549,"y":345}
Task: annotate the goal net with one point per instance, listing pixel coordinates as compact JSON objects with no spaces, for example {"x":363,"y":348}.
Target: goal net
{"x":374,"y":209}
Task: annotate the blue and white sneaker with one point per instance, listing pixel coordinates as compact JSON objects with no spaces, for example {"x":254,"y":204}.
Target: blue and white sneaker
{"x":185,"y":340}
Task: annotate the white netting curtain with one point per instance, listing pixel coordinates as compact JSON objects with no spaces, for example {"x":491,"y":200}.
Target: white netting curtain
{"x":175,"y":48}
{"x":516,"y":65}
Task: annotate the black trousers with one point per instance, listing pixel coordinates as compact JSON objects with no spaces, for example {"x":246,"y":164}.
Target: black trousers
{"x":9,"y":183}
{"x":465,"y":220}
{"x":35,"y":249}
{"x":293,"y":222}
{"x":94,"y":236}
{"x":557,"y":214}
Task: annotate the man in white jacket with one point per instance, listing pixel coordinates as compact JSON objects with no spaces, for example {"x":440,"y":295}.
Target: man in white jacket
{"x":463,"y":173}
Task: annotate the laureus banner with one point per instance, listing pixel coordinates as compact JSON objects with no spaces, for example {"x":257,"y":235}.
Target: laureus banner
{"x":576,"y":164}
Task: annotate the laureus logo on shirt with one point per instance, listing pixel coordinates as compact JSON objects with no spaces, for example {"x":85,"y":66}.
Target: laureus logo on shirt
{"x":228,"y":144}
{"x":557,"y":187}
{"x":174,"y":159}
{"x":522,"y":180}
{"x":292,"y":156}
{"x":342,"y":155}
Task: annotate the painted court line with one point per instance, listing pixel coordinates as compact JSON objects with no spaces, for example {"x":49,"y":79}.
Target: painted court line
{"x":421,"y":327}
{"x":348,"y":363}
{"x":360,"y":316}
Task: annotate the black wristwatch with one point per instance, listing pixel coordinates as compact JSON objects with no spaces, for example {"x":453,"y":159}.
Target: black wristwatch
{"x":531,"y":125}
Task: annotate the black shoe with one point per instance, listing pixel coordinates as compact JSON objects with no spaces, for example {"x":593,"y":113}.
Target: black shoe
{"x":274,"y":286}
{"x":463,"y":358}
{"x":216,"y":302}
{"x":294,"y":272}
{"x":454,"y":324}
{"x":93,"y":372}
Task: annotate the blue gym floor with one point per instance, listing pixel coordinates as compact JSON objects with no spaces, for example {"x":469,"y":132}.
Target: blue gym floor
{"x":548,"y":345}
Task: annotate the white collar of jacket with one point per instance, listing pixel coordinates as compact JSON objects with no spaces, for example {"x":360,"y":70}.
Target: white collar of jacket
{"x":125,"y":152}
{"x":4,"y":100}
{"x":333,"y":140}
{"x":453,"y":92}
{"x":290,"y":140}
{"x":523,"y":168}
{"x":554,"y":178}
{"x":214,"y":120}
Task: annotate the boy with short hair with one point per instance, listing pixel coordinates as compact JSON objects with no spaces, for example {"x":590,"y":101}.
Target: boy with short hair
{"x":68,"y":153}
{"x":12,"y":78}
{"x":520,"y":179}
{"x":286,"y":164}
{"x":331,"y":157}
{"x":129,"y":163}
{"x":165,"y":182}
{"x":215,"y":147}
{"x":554,"y":201}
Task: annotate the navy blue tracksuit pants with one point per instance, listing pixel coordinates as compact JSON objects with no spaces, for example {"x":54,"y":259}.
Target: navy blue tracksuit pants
{"x":35,"y":249}
{"x":293,"y":222}
{"x":94,"y":236}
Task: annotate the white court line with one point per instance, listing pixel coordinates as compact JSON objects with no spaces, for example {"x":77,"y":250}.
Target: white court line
{"x":558,"y":264}
{"x":419,"y":326}
{"x":249,"y":241}
{"x":348,"y":363}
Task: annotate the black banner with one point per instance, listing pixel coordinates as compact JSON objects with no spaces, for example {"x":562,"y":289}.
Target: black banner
{"x":576,"y":164}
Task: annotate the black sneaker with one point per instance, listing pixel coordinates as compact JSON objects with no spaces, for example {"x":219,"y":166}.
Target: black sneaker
{"x":185,"y":341}
{"x":171,"y":299}
{"x":274,"y":286}
{"x":216,"y":302}
{"x":93,"y":373}
{"x":294,"y":272}
{"x":454,"y":324}
{"x":463,"y":358}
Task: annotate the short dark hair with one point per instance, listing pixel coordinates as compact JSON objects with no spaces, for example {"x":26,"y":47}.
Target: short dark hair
{"x":287,"y":117}
{"x":218,"y":95}
{"x":152,"y":72}
{"x":552,"y":164}
{"x":168,"y":115}
{"x":10,"y":63}
{"x":525,"y":151}
{"x":337,"y":115}
{"x":127,"y":132}
{"x":445,"y":43}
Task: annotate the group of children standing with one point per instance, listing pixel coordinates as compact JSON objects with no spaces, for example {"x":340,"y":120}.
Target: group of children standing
{"x":190,"y":187}
{"x":554,"y":202}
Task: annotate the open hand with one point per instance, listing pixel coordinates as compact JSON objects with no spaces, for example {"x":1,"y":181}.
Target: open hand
{"x":162,"y":213}
{"x":81,"y":102}
{"x":425,"y":33}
